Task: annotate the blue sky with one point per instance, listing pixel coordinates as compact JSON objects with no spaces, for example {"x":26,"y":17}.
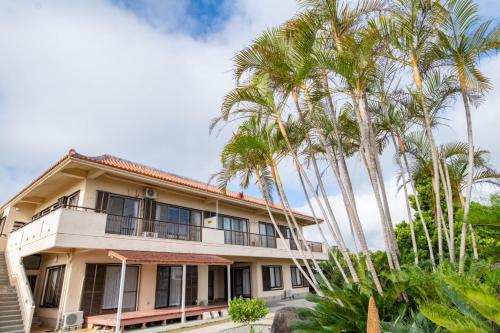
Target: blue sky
{"x":142,"y":80}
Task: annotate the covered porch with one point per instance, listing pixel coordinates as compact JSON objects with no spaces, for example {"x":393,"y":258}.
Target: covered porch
{"x":120,"y":319}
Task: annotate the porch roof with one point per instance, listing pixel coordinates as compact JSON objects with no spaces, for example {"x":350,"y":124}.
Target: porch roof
{"x":168,"y":257}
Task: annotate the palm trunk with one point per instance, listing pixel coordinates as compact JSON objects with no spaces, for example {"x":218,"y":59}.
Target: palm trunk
{"x":435,"y":159}
{"x":301,"y":237}
{"x":372,"y":173}
{"x":449,"y":206}
{"x":350,"y":208}
{"x":468,"y":189}
{"x":325,"y":241}
{"x":295,"y":261}
{"x":336,"y":230}
{"x":343,"y":170}
{"x":292,"y":227}
{"x":417,"y":203}
{"x":451,"y":219}
{"x":407,"y":202}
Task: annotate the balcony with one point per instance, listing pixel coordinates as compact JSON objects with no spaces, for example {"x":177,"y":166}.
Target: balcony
{"x":313,"y":246}
{"x":248,"y":239}
{"x":85,"y":228}
{"x":134,"y":226}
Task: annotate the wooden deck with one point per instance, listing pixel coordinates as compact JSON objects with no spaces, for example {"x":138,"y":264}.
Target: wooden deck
{"x":144,"y":317}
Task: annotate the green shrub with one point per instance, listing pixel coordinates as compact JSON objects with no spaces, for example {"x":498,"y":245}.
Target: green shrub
{"x":247,"y":311}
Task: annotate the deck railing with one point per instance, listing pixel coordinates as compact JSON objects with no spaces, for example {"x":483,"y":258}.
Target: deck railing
{"x":314,"y":246}
{"x":140,"y":227}
{"x":135,"y":226}
{"x":248,"y":239}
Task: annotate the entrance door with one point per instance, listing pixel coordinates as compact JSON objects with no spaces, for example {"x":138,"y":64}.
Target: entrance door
{"x":210,"y":285}
{"x":240,"y":282}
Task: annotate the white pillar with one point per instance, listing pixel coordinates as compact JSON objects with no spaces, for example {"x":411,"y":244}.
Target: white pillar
{"x":228,"y":284}
{"x":183,"y":295}
{"x":120,"y":297}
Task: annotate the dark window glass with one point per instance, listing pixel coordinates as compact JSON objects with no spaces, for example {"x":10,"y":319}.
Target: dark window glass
{"x":272,"y":278}
{"x":296,"y":277}
{"x":32,"y":262}
{"x":53,"y":286}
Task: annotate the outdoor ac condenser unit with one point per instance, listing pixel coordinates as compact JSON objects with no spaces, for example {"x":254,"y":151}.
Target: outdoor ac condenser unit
{"x":72,"y":319}
{"x":149,"y":234}
{"x":289,"y":293}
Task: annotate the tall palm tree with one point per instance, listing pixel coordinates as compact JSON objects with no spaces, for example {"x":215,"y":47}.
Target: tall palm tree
{"x":411,"y":29}
{"x":462,"y":41}
{"x":246,"y":156}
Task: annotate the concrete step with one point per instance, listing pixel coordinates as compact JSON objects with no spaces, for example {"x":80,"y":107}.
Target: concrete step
{"x":4,"y":317}
{"x":9,"y":303}
{"x":11,"y":297}
{"x":10,"y":312}
{"x":12,"y":328}
{"x":13,"y":322}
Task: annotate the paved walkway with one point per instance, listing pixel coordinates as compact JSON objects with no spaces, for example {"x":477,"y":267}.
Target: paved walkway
{"x":229,"y":326}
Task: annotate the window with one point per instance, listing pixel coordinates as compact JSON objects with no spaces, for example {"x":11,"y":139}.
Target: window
{"x":272,"y":277}
{"x":72,"y":200}
{"x":236,"y":229}
{"x":177,"y":222}
{"x":112,"y":287}
{"x":2,"y":225}
{"x":53,"y":286}
{"x":32,"y":262}
{"x":267,"y":235}
{"x":122,"y":215}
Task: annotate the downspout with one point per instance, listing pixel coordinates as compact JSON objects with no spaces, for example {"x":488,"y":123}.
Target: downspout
{"x":67,"y":277}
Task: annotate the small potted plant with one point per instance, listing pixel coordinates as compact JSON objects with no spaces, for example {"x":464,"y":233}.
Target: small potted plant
{"x":247,"y":311}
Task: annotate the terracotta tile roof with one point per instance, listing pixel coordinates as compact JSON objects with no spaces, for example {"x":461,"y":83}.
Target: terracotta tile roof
{"x":168,"y":257}
{"x":126,"y":165}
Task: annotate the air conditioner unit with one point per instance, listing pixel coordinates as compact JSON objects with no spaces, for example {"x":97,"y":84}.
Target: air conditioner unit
{"x":72,"y":319}
{"x":210,"y":222}
{"x":149,"y":193}
{"x":288,"y":293}
{"x":149,"y":234}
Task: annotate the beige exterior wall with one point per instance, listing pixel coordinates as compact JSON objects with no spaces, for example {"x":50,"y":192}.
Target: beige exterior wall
{"x":76,"y":237}
{"x":75,"y":272}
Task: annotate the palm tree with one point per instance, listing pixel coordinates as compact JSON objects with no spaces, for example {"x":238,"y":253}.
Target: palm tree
{"x":246,"y":156}
{"x":462,"y":41}
{"x":411,"y":29}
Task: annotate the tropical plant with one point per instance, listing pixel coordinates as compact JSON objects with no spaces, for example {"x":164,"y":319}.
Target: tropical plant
{"x":247,"y":311}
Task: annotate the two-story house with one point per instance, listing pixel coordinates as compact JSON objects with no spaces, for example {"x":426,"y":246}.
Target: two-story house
{"x":90,"y":227}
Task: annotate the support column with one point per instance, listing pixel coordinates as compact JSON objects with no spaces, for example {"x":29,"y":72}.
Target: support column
{"x":120,"y":297}
{"x":228,"y":284}
{"x":183,"y":294}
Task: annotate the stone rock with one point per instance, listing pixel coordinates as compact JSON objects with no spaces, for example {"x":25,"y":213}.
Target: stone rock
{"x":283,"y":318}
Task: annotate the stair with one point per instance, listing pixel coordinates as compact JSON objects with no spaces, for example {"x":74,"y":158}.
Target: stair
{"x":11,"y":320}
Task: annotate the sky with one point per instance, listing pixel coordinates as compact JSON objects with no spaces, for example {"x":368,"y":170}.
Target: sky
{"x":142,"y":80}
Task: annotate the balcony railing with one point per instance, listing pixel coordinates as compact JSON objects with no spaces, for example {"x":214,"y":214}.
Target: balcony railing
{"x":140,"y":227}
{"x":314,"y":246}
{"x":248,"y":239}
{"x":135,"y":226}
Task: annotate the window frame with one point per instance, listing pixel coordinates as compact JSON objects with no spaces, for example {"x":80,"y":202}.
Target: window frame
{"x":60,"y":282}
{"x":300,"y":276}
{"x":269,"y":267}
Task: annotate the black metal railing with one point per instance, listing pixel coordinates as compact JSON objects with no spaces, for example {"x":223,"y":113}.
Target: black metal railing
{"x":314,"y":246}
{"x":248,"y":239}
{"x":135,"y":226}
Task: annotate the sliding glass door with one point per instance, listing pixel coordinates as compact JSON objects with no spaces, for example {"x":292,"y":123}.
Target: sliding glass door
{"x":169,"y":286}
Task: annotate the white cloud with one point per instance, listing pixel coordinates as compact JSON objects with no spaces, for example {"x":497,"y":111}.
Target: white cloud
{"x":92,"y":76}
